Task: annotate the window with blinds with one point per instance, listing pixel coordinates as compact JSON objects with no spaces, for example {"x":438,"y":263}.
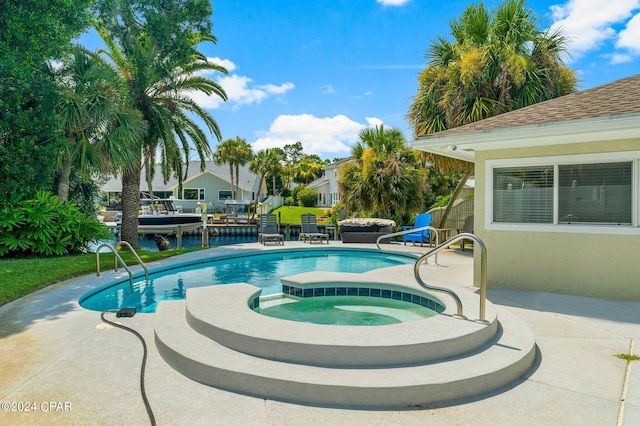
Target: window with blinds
{"x":595,"y":193}
{"x":523,"y":194}
{"x":586,"y":193}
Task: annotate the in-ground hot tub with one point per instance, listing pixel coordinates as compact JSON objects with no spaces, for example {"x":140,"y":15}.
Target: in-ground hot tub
{"x":365,"y":230}
{"x":344,"y":304}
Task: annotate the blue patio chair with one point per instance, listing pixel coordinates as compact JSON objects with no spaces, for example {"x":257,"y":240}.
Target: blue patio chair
{"x":423,"y":219}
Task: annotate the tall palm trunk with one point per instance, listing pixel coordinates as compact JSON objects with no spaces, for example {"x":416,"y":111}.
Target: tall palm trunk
{"x":65,"y":178}
{"x":237,"y":193}
{"x":148,"y":177}
{"x":233,"y":191}
{"x":258,"y":193}
{"x":456,"y":192}
{"x":130,"y":204}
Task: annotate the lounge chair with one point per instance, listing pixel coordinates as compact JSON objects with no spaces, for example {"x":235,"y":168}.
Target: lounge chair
{"x":424,"y":236}
{"x":310,"y":230}
{"x":467,"y":228}
{"x":269,"y":230}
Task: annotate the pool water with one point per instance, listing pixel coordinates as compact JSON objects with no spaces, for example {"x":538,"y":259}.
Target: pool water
{"x":346,"y":310}
{"x":261,"y":269}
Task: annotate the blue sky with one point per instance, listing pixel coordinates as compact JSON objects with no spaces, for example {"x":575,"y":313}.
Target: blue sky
{"x":320,"y":71}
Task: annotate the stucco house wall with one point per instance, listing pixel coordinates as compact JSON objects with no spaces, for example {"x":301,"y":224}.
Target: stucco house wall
{"x":215,"y":188}
{"x":581,"y":260}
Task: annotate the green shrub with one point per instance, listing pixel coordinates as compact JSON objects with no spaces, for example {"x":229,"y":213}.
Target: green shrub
{"x":307,"y":197}
{"x":296,"y":190}
{"x":286,"y":192}
{"x":441,"y":201}
{"x":44,"y":226}
{"x":334,"y":215}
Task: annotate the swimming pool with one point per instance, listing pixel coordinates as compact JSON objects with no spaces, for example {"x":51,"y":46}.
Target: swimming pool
{"x":262,"y":269}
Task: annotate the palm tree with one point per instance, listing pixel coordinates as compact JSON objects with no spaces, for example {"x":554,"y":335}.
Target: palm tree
{"x":497,"y":62}
{"x":244,"y":154}
{"x":261,"y":164}
{"x":276,"y":168}
{"x":156,"y":54}
{"x":386,"y":179}
{"x":224,"y":154}
{"x":292,"y":155}
{"x":308,"y":169}
{"x":236,"y":152}
{"x":97,"y":124}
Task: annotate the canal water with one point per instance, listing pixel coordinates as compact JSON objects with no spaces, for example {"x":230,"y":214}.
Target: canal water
{"x":192,"y":241}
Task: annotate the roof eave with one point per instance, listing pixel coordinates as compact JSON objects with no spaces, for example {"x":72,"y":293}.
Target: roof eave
{"x":463,"y":146}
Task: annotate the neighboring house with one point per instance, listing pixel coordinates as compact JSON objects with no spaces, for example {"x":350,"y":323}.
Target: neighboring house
{"x":213,"y":185}
{"x":327,"y":185}
{"x":557,"y":194}
{"x":468,"y":189}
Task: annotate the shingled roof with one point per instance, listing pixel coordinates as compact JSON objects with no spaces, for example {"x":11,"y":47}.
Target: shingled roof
{"x":617,"y":98}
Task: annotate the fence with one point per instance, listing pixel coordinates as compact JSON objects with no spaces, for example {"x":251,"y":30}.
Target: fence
{"x":459,"y":212}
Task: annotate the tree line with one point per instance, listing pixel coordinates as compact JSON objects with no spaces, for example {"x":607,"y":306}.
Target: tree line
{"x":68,"y":114}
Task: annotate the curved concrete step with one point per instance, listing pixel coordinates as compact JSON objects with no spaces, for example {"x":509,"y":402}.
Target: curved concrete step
{"x":222,"y":313}
{"x":506,"y":359}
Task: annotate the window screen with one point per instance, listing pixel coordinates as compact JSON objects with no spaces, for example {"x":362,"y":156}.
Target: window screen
{"x":523,"y":194}
{"x":595,"y":193}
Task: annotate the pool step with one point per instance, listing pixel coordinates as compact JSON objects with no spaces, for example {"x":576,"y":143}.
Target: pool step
{"x":221,"y":313}
{"x":505,"y":358}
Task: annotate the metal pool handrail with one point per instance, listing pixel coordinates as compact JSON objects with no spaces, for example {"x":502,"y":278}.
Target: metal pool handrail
{"x":483,"y":273}
{"x":117,"y":258}
{"x":408,"y":231}
{"x":126,"y":244}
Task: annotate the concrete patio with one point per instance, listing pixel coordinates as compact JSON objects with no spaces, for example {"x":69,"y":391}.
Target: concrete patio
{"x":73,"y":369}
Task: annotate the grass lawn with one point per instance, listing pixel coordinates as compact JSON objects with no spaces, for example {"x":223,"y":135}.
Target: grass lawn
{"x":291,"y":214}
{"x":19,"y":277}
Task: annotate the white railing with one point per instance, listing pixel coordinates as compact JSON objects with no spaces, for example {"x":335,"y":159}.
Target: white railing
{"x":434,"y":252}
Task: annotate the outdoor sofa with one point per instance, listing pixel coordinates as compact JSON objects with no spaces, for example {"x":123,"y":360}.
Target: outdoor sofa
{"x":365,"y":230}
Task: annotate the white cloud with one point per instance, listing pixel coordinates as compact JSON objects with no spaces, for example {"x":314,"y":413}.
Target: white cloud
{"x":327,"y":137}
{"x":629,"y":38}
{"x":373,"y":121}
{"x":327,"y":89}
{"x":589,"y":23}
{"x":386,"y":3}
{"x":620,"y":58}
{"x":240,"y":89}
{"x":226,"y":63}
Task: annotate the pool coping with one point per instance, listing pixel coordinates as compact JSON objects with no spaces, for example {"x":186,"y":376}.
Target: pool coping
{"x":223,"y":313}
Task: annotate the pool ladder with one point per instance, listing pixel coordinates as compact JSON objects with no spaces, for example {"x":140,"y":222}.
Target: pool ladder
{"x":434,"y":252}
{"x":117,"y":257}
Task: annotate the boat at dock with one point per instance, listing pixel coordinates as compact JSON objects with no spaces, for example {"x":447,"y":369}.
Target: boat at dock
{"x":160,"y":216}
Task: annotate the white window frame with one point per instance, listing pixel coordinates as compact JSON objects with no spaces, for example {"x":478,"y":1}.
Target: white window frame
{"x":556,"y":161}
{"x":225,"y":199}
{"x":200,"y":191}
